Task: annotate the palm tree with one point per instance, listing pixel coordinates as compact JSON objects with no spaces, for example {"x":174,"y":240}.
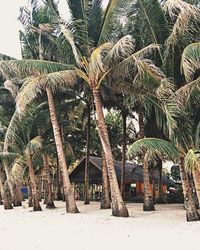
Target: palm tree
{"x":34,"y":145}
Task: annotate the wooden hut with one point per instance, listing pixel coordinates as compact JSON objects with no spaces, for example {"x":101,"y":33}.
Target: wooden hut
{"x":134,"y":187}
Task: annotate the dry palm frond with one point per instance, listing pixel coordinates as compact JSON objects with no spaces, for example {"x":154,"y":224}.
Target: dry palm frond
{"x":17,"y":169}
{"x":34,"y":85}
{"x":186,"y":18}
{"x":121,"y":50}
{"x":96,"y":65}
{"x":25,"y":68}
{"x":192,"y":160}
{"x":69,"y":37}
{"x":190,"y":62}
{"x":12,"y":87}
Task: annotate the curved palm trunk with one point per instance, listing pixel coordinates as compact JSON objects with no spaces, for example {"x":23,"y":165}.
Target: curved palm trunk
{"x":86,"y":181}
{"x":191,"y":211}
{"x":105,"y":199}
{"x":148,"y":201}
{"x":196,"y":177}
{"x":118,"y":206}
{"x":4,"y":195}
{"x":49,"y":200}
{"x":33,"y":184}
{"x":15,"y":194}
{"x":68,"y":189}
{"x":123,"y":156}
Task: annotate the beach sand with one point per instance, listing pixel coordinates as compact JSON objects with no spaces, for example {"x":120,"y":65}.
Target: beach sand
{"x":165,"y":228}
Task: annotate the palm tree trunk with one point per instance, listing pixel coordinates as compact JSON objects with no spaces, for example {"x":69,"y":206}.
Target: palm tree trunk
{"x":68,"y":189}
{"x":15,"y":200}
{"x":148,"y":201}
{"x":58,"y":182}
{"x":49,"y":201}
{"x":191,"y":211}
{"x":30,"y":195}
{"x":123,"y":156}
{"x":86,"y":180}
{"x":18,"y":196}
{"x":118,"y":206}
{"x":141,"y":122}
{"x":160,"y":193}
{"x":33,"y":184}
{"x":4,"y":195}
{"x":105,"y":199}
{"x":196,"y":177}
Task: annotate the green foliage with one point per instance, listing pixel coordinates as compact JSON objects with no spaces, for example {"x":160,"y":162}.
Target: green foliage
{"x":155,"y":147}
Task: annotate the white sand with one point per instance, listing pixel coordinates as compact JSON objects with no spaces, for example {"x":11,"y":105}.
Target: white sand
{"x":166,"y":228}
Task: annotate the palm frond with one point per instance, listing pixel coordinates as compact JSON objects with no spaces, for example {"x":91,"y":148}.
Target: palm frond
{"x":35,"y":145}
{"x":155,"y":146}
{"x":186,"y":25}
{"x":17,"y":169}
{"x":112,"y":8}
{"x":192,"y":160}
{"x":25,"y":68}
{"x":138,"y":67}
{"x":189,"y":94}
{"x":96,"y":64}
{"x":190,"y":61}
{"x":70,"y":38}
{"x":35,"y":85}
{"x":95,"y":14}
{"x":123,"y":48}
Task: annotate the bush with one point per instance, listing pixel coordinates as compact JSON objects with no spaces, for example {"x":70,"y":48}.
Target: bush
{"x":175,"y":197}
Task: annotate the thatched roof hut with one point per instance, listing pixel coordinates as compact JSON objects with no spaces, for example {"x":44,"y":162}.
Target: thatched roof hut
{"x":133,"y":172}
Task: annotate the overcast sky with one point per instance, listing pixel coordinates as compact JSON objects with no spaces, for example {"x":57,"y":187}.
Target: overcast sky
{"x":9,"y":26}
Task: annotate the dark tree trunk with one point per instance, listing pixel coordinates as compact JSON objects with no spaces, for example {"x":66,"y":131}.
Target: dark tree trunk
{"x":141,"y":122}
{"x":86,"y":179}
{"x":33,"y":184}
{"x":160,"y":192}
{"x":4,"y":195}
{"x":18,"y":197}
{"x":196,"y":177}
{"x":30,"y":196}
{"x":124,"y":117}
{"x":148,"y":201}
{"x":1,"y":202}
{"x":49,"y":201}
{"x":105,"y":199}
{"x":58,"y":181}
{"x":68,"y":190}
{"x":191,"y":211}
{"x":118,"y":206}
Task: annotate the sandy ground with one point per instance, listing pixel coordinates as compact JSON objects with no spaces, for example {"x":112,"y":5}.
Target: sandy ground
{"x":166,"y":228}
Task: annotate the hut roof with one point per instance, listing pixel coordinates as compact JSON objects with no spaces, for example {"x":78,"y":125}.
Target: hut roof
{"x":133,"y":172}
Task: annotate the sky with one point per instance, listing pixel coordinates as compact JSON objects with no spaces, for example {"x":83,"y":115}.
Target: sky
{"x":9,"y":26}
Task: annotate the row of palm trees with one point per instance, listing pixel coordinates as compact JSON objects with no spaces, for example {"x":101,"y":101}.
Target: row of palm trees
{"x":146,"y":53}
